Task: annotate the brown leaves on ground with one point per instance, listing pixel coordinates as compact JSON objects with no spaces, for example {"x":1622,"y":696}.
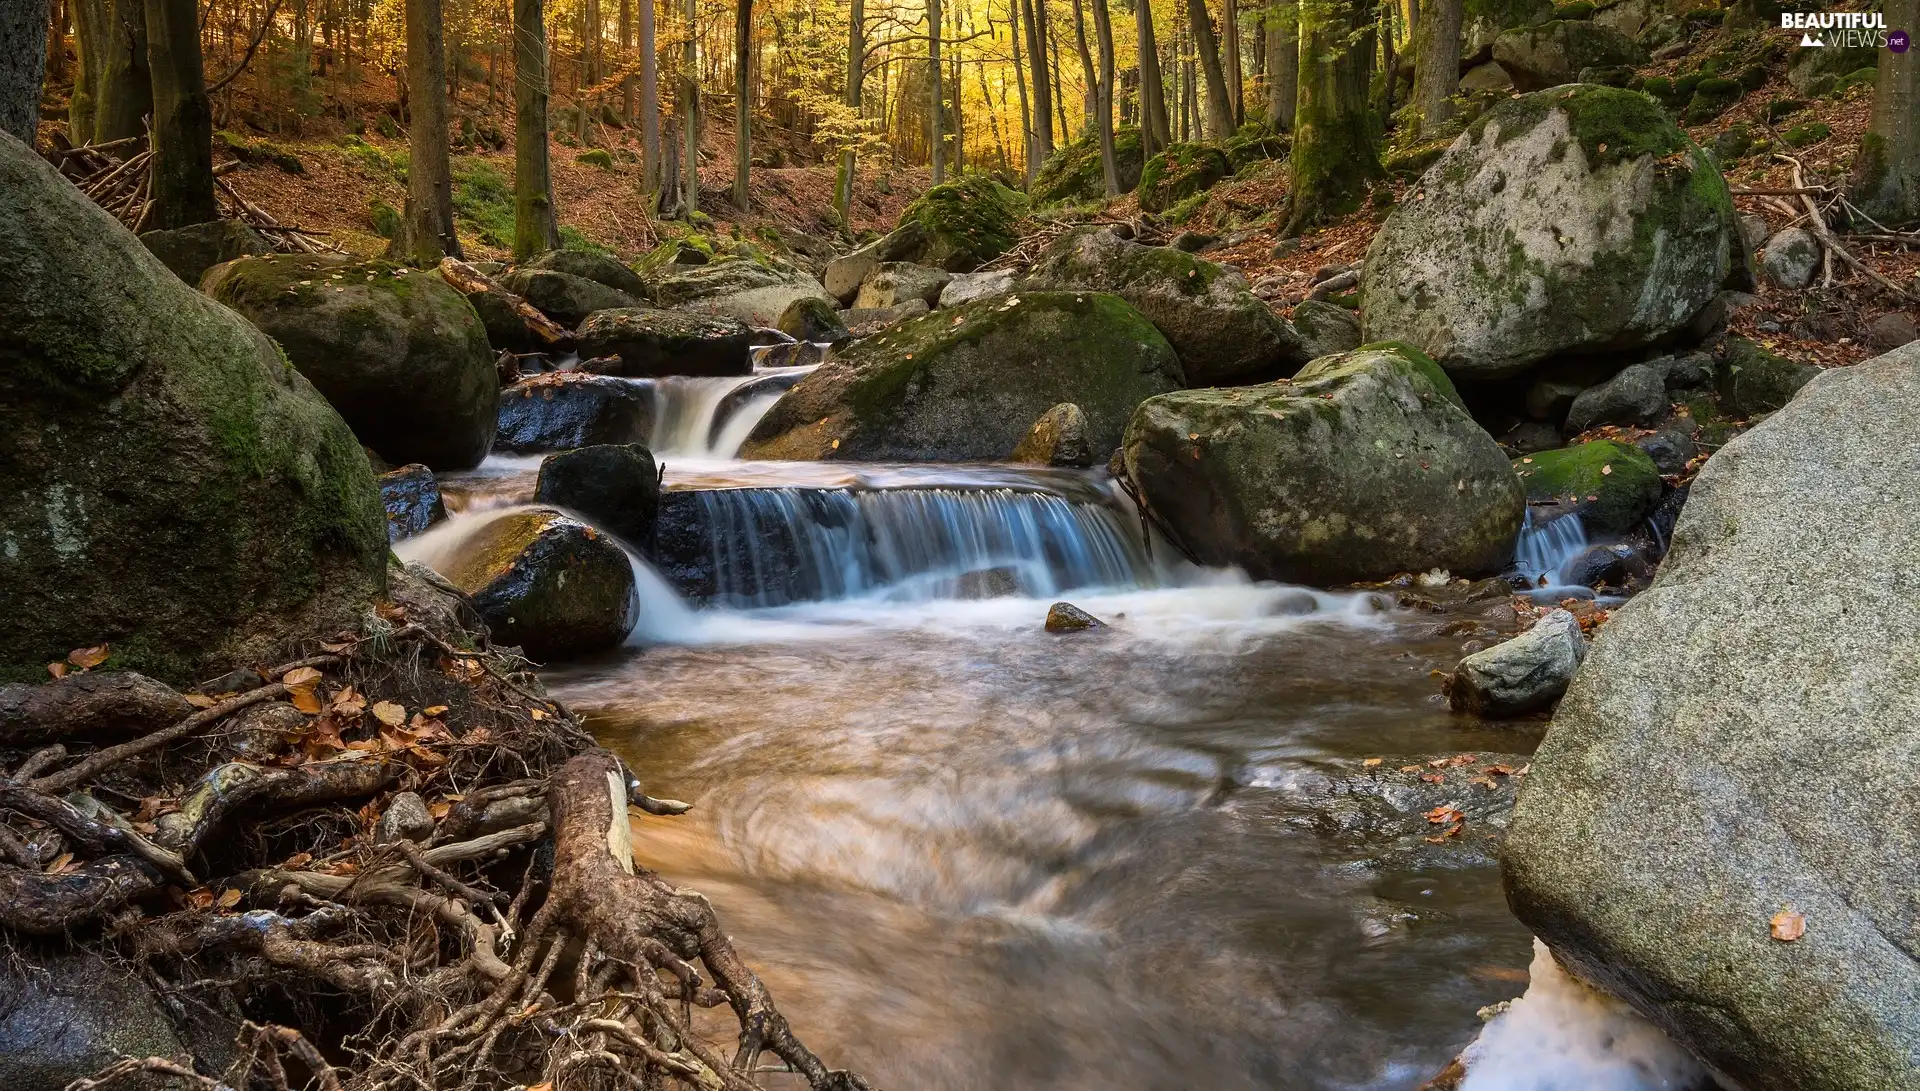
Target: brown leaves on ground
{"x":81,"y":659}
{"x":1788,"y":925}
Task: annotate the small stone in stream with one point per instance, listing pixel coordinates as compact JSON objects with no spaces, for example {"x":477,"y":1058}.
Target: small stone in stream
{"x":989,"y":583}
{"x":1294,"y":604}
{"x":412,"y":499}
{"x":547,"y":583}
{"x":616,"y":486}
{"x":1523,"y":675}
{"x":1065,"y":617}
{"x":1058,"y":438}
{"x":405,"y":819}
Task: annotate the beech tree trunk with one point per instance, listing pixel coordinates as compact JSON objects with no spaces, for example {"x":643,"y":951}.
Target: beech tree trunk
{"x":89,"y":41}
{"x":1153,"y":90}
{"x":182,"y":171}
{"x":1103,"y":100}
{"x":536,"y":224}
{"x":1035,"y":12}
{"x":125,"y":94}
{"x":426,"y":230}
{"x":936,"y":99}
{"x":742,"y":101}
{"x":1236,"y":91}
{"x":1089,"y":78}
{"x":23,"y":64}
{"x":1032,"y":166}
{"x":1283,"y":64}
{"x":649,"y":102}
{"x":1886,"y":173}
{"x":856,"y":73}
{"x":1219,"y":109}
{"x":690,"y":110}
{"x":1334,"y":161}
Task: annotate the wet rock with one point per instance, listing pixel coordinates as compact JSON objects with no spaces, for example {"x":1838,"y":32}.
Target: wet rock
{"x":746,"y":290}
{"x":1681,"y":801}
{"x":1522,"y":675}
{"x":64,"y":1017}
{"x":1599,"y":565}
{"x":965,"y":384}
{"x":565,"y":297}
{"x":650,"y":342}
{"x":1449,"y":808}
{"x":1790,"y":259}
{"x":865,"y":322}
{"x":1220,"y":330}
{"x":1365,"y":465}
{"x":1612,"y":485}
{"x":412,"y":499}
{"x":1551,"y":54}
{"x":405,"y":819}
{"x":1522,"y":251}
{"x":1294,"y":604}
{"x":1671,"y":449}
{"x":1756,"y":381}
{"x":1326,"y":328}
{"x":615,"y":487}
{"x":174,"y":489}
{"x":895,"y":282}
{"x":1638,"y":395}
{"x":398,"y":352}
{"x":549,"y":584}
{"x":796,"y":354}
{"x":1530,"y":436}
{"x":191,"y":251}
{"x":754,"y":390}
{"x":564,"y":410}
{"x":989,"y":583}
{"x":967,"y":287}
{"x":813,"y":320}
{"x":1058,"y":438}
{"x":1065,"y":617}
{"x":506,"y":327}
{"x":599,"y":268}
{"x":1892,"y":330}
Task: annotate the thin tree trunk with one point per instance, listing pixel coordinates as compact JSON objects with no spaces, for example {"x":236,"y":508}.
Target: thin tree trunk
{"x":182,"y":169}
{"x":742,"y":101}
{"x":1334,"y":161}
{"x":1283,"y":63}
{"x":650,"y":172}
{"x":1103,"y":103}
{"x":1437,"y":64}
{"x":690,"y":110}
{"x":1035,"y":12}
{"x":1236,"y":91}
{"x":125,"y":94}
{"x":1219,"y":110}
{"x":1029,"y":165}
{"x":936,"y":104}
{"x":426,"y":228}
{"x":23,"y":65}
{"x":1059,"y":91}
{"x":535,"y":220}
{"x":1153,"y":92}
{"x":856,"y":75}
{"x":1886,"y":174}
{"x":90,"y":42}
{"x":1089,"y":79}
{"x":57,"y":43}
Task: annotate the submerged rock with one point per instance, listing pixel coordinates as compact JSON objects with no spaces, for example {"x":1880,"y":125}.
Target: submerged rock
{"x":1737,"y":747}
{"x":651,"y":342}
{"x":1576,"y":220}
{"x":1522,"y":675}
{"x":174,"y":489}
{"x":549,"y":584}
{"x":1058,"y":438}
{"x":569,"y":409}
{"x":565,"y":297}
{"x":1365,"y":465}
{"x":1612,"y":485}
{"x":965,"y":384}
{"x":1065,"y":617}
{"x":616,"y":487}
{"x":1220,"y":330}
{"x":399,"y":352}
{"x":412,"y":499}
{"x":744,"y":289}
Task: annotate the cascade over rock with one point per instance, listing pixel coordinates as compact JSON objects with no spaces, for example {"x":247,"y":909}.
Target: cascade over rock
{"x":174,"y":489}
{"x":548,"y":583}
{"x":1739,"y":742}
{"x":966,"y":383}
{"x":1364,"y":465}
{"x":1575,"y":220}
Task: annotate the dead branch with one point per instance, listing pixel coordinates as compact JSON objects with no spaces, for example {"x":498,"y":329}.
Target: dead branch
{"x":92,"y":705}
{"x":1831,"y":247}
{"x":470,"y":280}
{"x":39,"y":904}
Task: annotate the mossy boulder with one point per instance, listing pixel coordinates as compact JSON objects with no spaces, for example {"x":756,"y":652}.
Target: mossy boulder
{"x":1483,"y":21}
{"x":1813,"y":72}
{"x":744,"y":289}
{"x":812,"y":320}
{"x":400,"y":353}
{"x":1576,"y":220}
{"x":650,"y":342}
{"x":192,"y":250}
{"x":1754,"y":381}
{"x":1073,"y":172}
{"x":1553,"y":53}
{"x":1221,"y":331}
{"x":616,"y":487}
{"x":599,"y":268}
{"x":547,"y":583}
{"x":567,"y":298}
{"x":965,"y":383}
{"x":1364,"y":465}
{"x":1180,"y":173}
{"x":175,"y":489}
{"x":844,"y":274}
{"x":1255,"y":143}
{"x":1325,"y":329}
{"x":569,"y":409}
{"x":1613,"y":486}
{"x":966,"y":223}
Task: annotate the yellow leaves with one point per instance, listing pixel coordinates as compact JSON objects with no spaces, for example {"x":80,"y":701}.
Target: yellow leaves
{"x":1788,"y":925}
{"x":433,"y":710}
{"x":1371,"y":762}
{"x":536,"y":714}
{"x":348,"y":702}
{"x":228,"y":899}
{"x":390,"y":713}
{"x":62,"y":864}
{"x":1606,"y":470}
{"x":88,"y":658}
{"x":302,"y":684}
{"x":200,"y":700}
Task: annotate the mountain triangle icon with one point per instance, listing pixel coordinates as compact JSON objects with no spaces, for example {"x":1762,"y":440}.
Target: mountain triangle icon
{"x":1808,"y":41}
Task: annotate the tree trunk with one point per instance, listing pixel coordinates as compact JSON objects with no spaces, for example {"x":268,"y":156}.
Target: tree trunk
{"x":742,"y":101}
{"x":936,"y":100}
{"x":23,"y":63}
{"x":650,"y":172}
{"x":1089,"y":78}
{"x":1886,"y":174}
{"x":182,"y":169}
{"x":1103,"y":102}
{"x":89,"y":41}
{"x":1153,"y":91}
{"x":1437,"y":64}
{"x":426,"y":230}
{"x":57,"y":43}
{"x":1035,"y":12}
{"x":125,"y":94}
{"x":690,"y":110}
{"x":1027,"y":138}
{"x":535,"y":220}
{"x":856,"y":73}
{"x":1236,"y":91}
{"x":1059,"y":90}
{"x":1283,"y":64}
{"x":1219,"y":109}
{"x":1334,"y":161}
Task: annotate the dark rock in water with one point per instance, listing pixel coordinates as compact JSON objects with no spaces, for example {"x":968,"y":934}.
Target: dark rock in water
{"x":174,"y":489}
{"x":812,"y":319}
{"x":191,"y":251}
{"x":1065,"y":617}
{"x":651,"y":342}
{"x":599,"y":268}
{"x":565,"y":410}
{"x":617,"y":488}
{"x":65,"y":1017}
{"x":1522,"y":675}
{"x":549,"y":584}
{"x":399,"y":352}
{"x":1638,"y":395}
{"x":564,"y":297}
{"x":1599,"y":565}
{"x":989,"y":583}
{"x":1756,"y":381}
{"x":1058,"y":438}
{"x":412,"y":499}
{"x":747,"y":553}
{"x":1611,"y":484}
{"x":1294,"y":604}
{"x":1327,"y":328}
{"x":1439,"y":806}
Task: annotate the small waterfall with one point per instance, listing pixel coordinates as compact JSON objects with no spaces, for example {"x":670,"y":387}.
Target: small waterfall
{"x":703,"y":417}
{"x":761,"y":547}
{"x":1545,"y":546}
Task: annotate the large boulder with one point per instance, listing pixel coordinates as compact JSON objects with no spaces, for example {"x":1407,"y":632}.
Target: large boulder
{"x":568,"y":409}
{"x":845,"y":274}
{"x":399,"y":352}
{"x":615,"y":486}
{"x":1221,"y":331}
{"x":1180,"y":172}
{"x":1576,"y":220}
{"x":1612,"y":485}
{"x":1073,"y":172}
{"x":743,"y":289}
{"x":894,"y":282}
{"x":1364,"y":465}
{"x":965,"y":384}
{"x":192,"y":250}
{"x":1554,"y":53}
{"x":963,"y":224}
{"x":1483,"y":21}
{"x":1738,"y":748}
{"x":174,"y":489}
{"x":550,"y":584}
{"x":599,"y":268}
{"x":567,"y":298}
{"x":65,"y":1017}
{"x":650,"y":342}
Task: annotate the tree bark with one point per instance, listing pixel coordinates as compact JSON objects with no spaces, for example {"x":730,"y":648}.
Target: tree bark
{"x":182,"y":168}
{"x":690,"y":110}
{"x":426,"y":230}
{"x":1334,"y":160}
{"x":125,"y":94}
{"x":1103,"y":104}
{"x":1886,"y":174}
{"x":89,"y":41}
{"x":742,"y":101}
{"x":1437,"y":64}
{"x":57,"y":42}
{"x":936,"y":99}
{"x":650,"y":171}
{"x":1236,"y":91}
{"x":1029,"y":164}
{"x":536,"y":225}
{"x":1035,"y":12}
{"x":1059,"y":89}
{"x":856,"y":75}
{"x":1283,"y":64}
{"x":1090,"y":79}
{"x":23,"y":64}
{"x":1153,"y":91}
{"x":1219,"y":109}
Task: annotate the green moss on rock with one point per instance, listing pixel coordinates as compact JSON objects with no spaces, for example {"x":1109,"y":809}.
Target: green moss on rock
{"x":1073,"y":173}
{"x":1614,"y":486}
{"x":1180,"y":173}
{"x":968,"y":223}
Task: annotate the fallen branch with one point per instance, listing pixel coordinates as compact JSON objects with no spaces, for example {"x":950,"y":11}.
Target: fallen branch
{"x":1831,"y":246}
{"x":470,"y":280}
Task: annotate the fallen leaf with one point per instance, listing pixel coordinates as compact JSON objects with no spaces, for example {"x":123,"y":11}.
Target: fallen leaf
{"x":305,"y":700}
{"x":390,"y":713}
{"x":1409,"y":768}
{"x":301,"y":678}
{"x":1607,"y":469}
{"x":298,"y":859}
{"x":200,"y":700}
{"x":1788,"y":925}
{"x":536,"y":714}
{"x":201,"y":898}
{"x":1444,"y":813}
{"x":60,"y":863}
{"x":228,"y":899}
{"x":1371,"y":762}
{"x":433,"y":710}
{"x":58,"y":670}
{"x":88,"y":658}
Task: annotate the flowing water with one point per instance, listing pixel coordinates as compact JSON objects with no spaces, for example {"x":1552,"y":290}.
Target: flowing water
{"x":966,"y":853}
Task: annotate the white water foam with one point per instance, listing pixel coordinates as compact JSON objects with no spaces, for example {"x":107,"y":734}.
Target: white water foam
{"x":1564,"y":1036}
